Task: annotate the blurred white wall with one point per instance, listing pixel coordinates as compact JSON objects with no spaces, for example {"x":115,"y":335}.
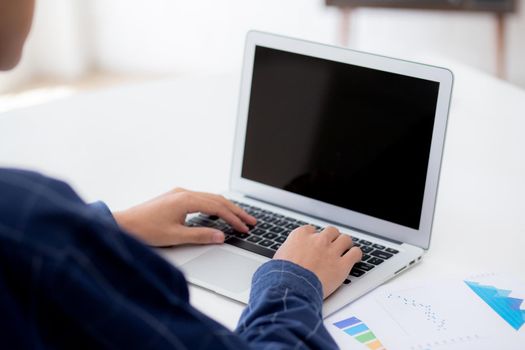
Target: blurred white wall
{"x":60,"y":45}
{"x":197,"y":36}
{"x":204,"y":36}
{"x":468,"y":38}
{"x":71,"y":37}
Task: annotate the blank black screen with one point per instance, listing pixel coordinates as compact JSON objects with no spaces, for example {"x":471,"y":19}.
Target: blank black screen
{"x":351,"y":136}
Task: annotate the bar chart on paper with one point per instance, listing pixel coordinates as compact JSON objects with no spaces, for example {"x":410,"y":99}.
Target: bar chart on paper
{"x":357,"y":329}
{"x":500,"y":301}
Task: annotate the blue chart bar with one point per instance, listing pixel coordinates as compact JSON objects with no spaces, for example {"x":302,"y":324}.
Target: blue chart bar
{"x":347,"y":322}
{"x":357,"y":329}
{"x":499,"y":300}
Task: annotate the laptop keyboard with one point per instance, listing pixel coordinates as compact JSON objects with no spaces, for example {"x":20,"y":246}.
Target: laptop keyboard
{"x":272,"y":229}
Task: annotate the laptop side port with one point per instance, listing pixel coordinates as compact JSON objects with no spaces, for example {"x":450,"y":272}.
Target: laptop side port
{"x":401,"y":269}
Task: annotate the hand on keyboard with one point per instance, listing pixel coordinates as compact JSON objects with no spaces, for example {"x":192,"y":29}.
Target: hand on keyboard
{"x":161,"y":221}
{"x":329,"y":254}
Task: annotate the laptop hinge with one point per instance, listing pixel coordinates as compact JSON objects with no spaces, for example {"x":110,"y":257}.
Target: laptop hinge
{"x":329,"y":221}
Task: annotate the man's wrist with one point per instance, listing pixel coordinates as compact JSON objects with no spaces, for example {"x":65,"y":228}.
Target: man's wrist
{"x":120,"y":218}
{"x":125,"y":221}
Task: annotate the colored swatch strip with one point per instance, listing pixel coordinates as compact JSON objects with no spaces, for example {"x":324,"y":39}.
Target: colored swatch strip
{"x":499,"y":300}
{"x":360,"y":332}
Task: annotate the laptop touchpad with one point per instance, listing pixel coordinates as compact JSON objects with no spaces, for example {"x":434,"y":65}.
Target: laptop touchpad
{"x":223,"y":268}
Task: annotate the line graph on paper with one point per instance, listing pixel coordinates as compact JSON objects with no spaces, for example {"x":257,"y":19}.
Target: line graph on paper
{"x":423,"y":311}
{"x":429,"y":320}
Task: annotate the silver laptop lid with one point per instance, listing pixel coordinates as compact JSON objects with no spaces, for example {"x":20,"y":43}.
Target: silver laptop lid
{"x":346,"y":136}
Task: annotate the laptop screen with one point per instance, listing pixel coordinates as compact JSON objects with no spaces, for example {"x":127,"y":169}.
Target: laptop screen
{"x":354,"y":137}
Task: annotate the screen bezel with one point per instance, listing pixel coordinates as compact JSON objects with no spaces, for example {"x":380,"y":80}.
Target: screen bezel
{"x":309,"y":206}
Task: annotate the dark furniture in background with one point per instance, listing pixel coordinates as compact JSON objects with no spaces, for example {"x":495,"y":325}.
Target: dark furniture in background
{"x":500,"y":9}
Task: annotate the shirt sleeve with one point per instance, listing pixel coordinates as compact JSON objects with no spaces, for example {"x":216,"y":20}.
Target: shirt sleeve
{"x":104,"y":213}
{"x":284,"y":311}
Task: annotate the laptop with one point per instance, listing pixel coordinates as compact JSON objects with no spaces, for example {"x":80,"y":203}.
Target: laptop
{"x":328,"y":136}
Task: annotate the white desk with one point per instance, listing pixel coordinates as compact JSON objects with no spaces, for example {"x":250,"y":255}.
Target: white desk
{"x":128,"y":144}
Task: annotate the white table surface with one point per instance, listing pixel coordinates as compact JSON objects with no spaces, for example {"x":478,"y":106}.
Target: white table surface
{"x":127,"y":144}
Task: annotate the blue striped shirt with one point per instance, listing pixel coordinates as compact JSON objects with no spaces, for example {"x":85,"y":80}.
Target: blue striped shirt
{"x":71,"y":278}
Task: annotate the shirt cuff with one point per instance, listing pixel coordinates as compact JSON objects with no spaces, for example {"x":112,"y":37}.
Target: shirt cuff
{"x":103,"y":211}
{"x":282,"y":275}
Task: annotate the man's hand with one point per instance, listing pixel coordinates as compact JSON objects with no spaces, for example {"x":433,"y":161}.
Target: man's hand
{"x":160,"y":221}
{"x":328,"y":254}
